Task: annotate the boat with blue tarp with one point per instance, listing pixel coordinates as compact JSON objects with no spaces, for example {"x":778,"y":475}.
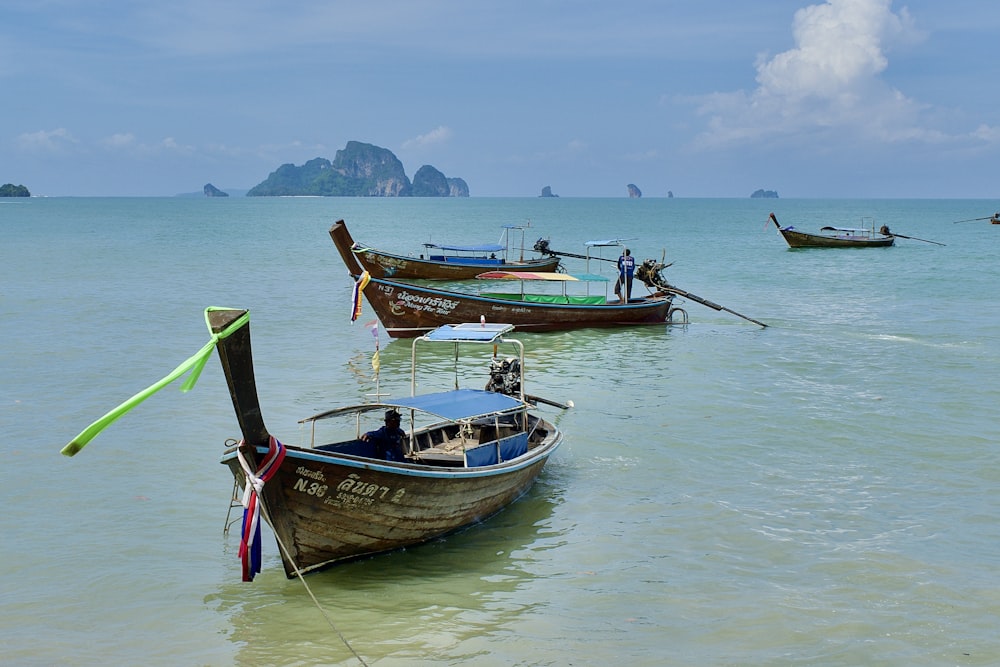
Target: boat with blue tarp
{"x":463,"y":454}
{"x":441,"y":261}
{"x":444,"y":460}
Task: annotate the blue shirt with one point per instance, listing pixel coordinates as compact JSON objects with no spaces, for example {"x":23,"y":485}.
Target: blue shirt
{"x":388,"y":442}
{"x":626,"y":265}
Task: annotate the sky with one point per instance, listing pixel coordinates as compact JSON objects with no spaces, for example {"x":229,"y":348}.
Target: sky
{"x":714,"y":98}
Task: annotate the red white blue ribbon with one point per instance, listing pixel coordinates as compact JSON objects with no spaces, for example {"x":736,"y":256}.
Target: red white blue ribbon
{"x":250,"y":538}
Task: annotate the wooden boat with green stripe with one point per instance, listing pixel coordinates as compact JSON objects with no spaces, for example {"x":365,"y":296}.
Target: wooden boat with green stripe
{"x":407,"y":310}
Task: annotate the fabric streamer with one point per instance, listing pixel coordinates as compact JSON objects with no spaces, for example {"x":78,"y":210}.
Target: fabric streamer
{"x":376,"y":363}
{"x":359,"y":287}
{"x":194,"y":363}
{"x":250,"y":539}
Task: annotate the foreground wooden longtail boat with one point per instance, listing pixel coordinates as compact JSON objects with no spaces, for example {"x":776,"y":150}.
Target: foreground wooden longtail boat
{"x":408,"y":310}
{"x":842,"y":237}
{"x":449,"y":262}
{"x":466,"y":454}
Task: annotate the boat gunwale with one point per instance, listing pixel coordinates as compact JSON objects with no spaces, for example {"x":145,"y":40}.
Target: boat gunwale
{"x":410,"y":469}
{"x":655,"y":299}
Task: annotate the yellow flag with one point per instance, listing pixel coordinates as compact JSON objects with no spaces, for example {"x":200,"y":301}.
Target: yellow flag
{"x":375,"y":362}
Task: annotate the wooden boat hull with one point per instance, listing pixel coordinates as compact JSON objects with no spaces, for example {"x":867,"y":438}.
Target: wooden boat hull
{"x":407,"y":310}
{"x":327,"y":508}
{"x":803,"y":240}
{"x":398,"y":267}
{"x":410,"y":310}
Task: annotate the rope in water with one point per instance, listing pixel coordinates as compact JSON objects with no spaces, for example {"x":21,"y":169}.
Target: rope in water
{"x":298,"y":572}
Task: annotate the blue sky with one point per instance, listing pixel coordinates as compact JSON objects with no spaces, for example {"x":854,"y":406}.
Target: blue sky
{"x":715,"y":98}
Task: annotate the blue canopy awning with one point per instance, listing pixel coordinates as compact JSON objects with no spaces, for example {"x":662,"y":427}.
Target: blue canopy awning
{"x":485,"y":247}
{"x":469,"y":332}
{"x":454,"y":405}
{"x":459,"y":404}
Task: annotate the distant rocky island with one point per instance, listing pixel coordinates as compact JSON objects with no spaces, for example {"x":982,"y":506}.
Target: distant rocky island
{"x":633,"y":191}
{"x":212,"y":191}
{"x":359,"y":170}
{"x":547,"y":192}
{"x":764,"y":194}
{"x":11,"y":190}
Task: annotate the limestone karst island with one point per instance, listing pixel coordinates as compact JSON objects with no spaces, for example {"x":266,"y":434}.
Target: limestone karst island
{"x":359,"y":170}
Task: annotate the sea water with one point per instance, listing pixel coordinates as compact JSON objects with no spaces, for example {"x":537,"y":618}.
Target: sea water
{"x":822,"y":491}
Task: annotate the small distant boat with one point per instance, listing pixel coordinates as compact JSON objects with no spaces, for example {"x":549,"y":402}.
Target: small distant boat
{"x":837,"y":237}
{"x":407,"y":310}
{"x":451,"y":262}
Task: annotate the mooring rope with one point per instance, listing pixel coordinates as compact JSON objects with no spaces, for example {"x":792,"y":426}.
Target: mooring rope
{"x":298,"y":572}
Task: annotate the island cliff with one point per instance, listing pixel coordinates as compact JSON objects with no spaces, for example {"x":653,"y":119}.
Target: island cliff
{"x":359,"y":170}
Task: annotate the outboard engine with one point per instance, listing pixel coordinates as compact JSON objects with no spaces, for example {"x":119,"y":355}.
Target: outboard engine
{"x":505,"y":376}
{"x":650,"y":272}
{"x":542,"y":246}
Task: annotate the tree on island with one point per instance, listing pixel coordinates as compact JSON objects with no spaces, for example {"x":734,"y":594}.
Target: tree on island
{"x":11,"y":190}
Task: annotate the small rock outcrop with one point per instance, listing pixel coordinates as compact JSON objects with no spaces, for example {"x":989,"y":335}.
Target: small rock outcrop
{"x":764,"y":194}
{"x":633,"y":191}
{"x":547,"y":192}
{"x":212,"y":191}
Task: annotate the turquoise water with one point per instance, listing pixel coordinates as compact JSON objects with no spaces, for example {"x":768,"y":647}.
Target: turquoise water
{"x":820,"y":492}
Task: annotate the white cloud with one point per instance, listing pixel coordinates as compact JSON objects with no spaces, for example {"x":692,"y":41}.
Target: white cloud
{"x":438,"y":135}
{"x":829,"y":85}
{"x":126,"y":142}
{"x":120,"y":140}
{"x":987,"y":133}
{"x":47,"y":140}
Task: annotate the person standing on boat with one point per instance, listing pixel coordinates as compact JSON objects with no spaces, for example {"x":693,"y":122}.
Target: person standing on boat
{"x":388,"y":439}
{"x":626,"y":270}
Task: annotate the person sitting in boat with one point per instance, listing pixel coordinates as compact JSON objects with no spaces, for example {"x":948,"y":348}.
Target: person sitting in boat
{"x":388,"y":439}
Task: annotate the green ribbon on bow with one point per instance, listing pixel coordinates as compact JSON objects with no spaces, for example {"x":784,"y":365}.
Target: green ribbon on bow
{"x":194,"y":363}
